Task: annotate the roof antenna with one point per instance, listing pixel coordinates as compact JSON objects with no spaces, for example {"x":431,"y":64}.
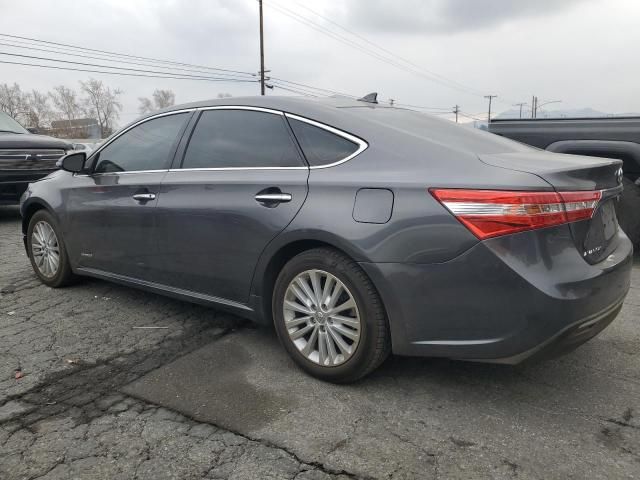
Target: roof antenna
{"x":370,"y":98}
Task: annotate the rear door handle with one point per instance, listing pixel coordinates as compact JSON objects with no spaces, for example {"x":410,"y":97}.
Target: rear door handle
{"x":144,"y":197}
{"x":273,"y":197}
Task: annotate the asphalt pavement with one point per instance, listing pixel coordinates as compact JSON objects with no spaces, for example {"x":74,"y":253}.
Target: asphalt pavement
{"x":86,"y":393}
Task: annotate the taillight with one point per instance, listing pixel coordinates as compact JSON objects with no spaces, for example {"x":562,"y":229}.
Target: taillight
{"x":491,"y":213}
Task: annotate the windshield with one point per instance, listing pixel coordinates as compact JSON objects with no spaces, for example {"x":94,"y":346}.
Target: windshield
{"x":8,"y":124}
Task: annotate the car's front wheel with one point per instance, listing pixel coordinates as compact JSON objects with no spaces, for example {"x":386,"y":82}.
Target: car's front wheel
{"x":47,"y":251}
{"x":329,"y":316}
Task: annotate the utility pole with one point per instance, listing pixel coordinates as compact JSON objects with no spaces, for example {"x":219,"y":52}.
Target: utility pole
{"x":456,"y":110}
{"x":534,"y":106}
{"x":261,"y":52}
{"x":490,"y":97}
{"x":520,"y":105}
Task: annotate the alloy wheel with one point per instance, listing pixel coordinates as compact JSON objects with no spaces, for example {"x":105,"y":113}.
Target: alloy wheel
{"x":322,"y":318}
{"x":45,"y":249}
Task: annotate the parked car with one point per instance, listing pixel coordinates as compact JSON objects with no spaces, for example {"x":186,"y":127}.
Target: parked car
{"x":611,"y":137}
{"x":83,"y":146}
{"x":24,"y":158}
{"x":357,"y":229}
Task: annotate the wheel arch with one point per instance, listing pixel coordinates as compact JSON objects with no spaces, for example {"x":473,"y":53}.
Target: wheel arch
{"x":273,"y":260}
{"x":28,"y":210}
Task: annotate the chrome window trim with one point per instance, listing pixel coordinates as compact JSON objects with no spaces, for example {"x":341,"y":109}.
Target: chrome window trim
{"x":128,"y":172}
{"x":139,"y":122}
{"x":223,"y":169}
{"x":214,"y":169}
{"x":241,"y":107}
{"x":362,"y":145}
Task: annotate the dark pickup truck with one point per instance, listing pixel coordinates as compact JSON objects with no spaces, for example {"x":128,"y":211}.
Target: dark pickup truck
{"x":24,"y":158}
{"x":611,"y":137}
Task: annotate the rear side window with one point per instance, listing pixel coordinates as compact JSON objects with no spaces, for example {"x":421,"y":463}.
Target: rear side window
{"x":241,"y":138}
{"x":149,"y":146}
{"x":320,"y":146}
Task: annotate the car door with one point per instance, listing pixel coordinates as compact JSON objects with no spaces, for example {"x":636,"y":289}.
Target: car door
{"x":239,"y":182}
{"x":111,"y":209}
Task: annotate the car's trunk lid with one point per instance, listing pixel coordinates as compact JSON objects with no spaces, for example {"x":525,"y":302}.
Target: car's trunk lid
{"x":594,"y":238}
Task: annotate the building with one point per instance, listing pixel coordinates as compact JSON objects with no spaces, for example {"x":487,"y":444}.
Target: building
{"x":76,"y":128}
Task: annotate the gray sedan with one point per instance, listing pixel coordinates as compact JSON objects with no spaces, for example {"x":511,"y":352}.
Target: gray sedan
{"x":356,"y":229}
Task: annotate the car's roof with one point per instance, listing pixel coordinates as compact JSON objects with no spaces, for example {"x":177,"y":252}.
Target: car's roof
{"x":369,"y":121}
{"x":296,"y":105}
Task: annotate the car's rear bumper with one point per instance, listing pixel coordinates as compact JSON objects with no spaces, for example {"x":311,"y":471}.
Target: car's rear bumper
{"x":505,"y":299}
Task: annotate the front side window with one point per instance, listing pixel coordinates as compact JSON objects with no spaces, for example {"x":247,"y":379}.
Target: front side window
{"x":149,"y":146}
{"x":241,"y":138}
{"x":320,"y":146}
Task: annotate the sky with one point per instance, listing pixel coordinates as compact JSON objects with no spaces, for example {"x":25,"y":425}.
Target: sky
{"x":428,"y":53}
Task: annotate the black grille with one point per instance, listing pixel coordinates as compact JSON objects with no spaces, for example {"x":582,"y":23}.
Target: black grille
{"x":33,"y":159}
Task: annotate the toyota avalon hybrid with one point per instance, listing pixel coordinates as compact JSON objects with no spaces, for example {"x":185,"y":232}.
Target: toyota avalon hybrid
{"x":356,"y":229}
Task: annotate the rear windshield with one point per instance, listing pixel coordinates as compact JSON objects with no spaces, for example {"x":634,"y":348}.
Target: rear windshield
{"x":439,"y":130}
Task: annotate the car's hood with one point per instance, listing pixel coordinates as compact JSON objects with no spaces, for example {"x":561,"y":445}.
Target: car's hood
{"x":24,"y":141}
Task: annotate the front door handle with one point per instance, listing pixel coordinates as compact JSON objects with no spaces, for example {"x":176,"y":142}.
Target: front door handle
{"x":144,"y":197}
{"x":273,"y":197}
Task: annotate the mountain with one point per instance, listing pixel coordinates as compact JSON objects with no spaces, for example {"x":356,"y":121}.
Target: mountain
{"x":562,"y":113}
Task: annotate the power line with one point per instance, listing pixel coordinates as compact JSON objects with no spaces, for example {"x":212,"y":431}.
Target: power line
{"x":444,"y":109}
{"x":107,"y":59}
{"x":410,"y":68}
{"x":184,"y":75}
{"x":315,"y":26}
{"x":472,"y":117}
{"x":389,"y":52}
{"x":211,"y":79}
{"x":332,"y":92}
{"x":289,"y":89}
{"x":116,"y":54}
{"x":27,"y":43}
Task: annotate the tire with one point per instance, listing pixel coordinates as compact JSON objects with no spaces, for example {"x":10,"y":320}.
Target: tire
{"x":367,"y":318}
{"x":61,"y":275}
{"x":628,"y":211}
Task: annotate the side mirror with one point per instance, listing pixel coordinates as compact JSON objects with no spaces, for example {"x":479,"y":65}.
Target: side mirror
{"x":74,"y":162}
{"x":33,"y":130}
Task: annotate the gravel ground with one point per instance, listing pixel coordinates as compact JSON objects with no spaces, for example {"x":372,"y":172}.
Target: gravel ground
{"x":78,"y":350}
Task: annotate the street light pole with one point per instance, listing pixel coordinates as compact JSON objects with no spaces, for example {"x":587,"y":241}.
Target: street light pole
{"x":544,"y":103}
{"x":520,"y":105}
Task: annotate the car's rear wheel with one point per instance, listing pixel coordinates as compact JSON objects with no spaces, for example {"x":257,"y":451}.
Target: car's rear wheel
{"x":47,"y":251}
{"x":329,"y":316}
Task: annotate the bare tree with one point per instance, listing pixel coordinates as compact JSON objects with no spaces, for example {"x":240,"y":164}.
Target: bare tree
{"x":65,"y":101}
{"x":38,"y":111}
{"x":146,"y":105}
{"x":164,"y":98}
{"x":12,"y":100}
{"x":161,"y":99}
{"x":103,"y":103}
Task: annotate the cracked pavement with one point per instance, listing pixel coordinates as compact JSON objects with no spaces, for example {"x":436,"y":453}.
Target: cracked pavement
{"x":210,"y":396}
